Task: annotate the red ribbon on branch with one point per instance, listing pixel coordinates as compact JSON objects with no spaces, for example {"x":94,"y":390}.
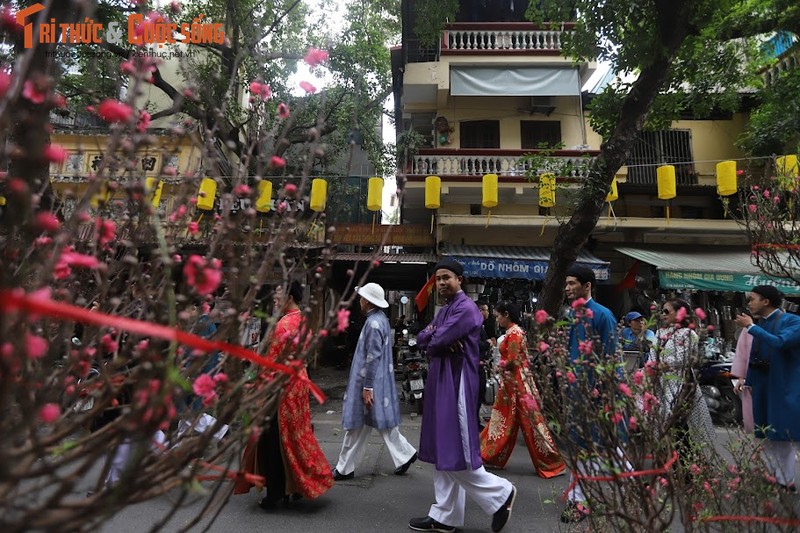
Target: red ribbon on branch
{"x":19,"y":301}
{"x":762,"y":519}
{"x":622,"y":475}
{"x":253,"y":479}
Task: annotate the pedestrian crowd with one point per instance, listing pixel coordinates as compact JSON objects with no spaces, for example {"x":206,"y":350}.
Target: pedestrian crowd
{"x":457,"y":443}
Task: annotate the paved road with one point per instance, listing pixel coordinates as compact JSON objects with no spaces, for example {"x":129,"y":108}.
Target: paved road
{"x":376,"y":500}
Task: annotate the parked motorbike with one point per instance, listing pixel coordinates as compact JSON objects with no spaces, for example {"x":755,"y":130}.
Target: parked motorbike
{"x":414,"y":372}
{"x":716,"y":383}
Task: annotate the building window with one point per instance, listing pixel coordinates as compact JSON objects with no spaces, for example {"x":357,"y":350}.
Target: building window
{"x":540,"y":134}
{"x":480,"y":134}
{"x":655,"y":148}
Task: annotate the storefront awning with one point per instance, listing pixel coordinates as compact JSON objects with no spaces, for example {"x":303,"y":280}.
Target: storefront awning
{"x":517,"y":81}
{"x":710,"y":270}
{"x":383,"y":258}
{"x":515,"y":262}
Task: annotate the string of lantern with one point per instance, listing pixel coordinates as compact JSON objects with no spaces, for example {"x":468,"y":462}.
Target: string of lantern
{"x":726,"y":176}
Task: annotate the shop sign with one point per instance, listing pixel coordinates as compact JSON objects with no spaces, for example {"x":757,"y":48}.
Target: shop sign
{"x":489,"y":267}
{"x":722,"y":281}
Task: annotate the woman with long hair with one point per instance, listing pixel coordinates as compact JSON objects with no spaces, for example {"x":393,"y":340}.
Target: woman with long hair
{"x":517,"y":404}
{"x":676,"y":351}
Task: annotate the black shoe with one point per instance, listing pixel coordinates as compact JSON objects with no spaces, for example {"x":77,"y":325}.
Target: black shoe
{"x":573,"y":513}
{"x":402,"y":469}
{"x":426,"y":523}
{"x":501,"y":516}
{"x":341,"y":477}
{"x":791,"y":489}
{"x":269,"y":504}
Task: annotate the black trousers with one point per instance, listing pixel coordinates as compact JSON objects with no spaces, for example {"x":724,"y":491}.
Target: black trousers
{"x":481,"y":389}
{"x":270,"y":462}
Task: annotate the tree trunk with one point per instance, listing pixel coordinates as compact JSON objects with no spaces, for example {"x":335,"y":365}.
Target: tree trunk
{"x":572,"y":236}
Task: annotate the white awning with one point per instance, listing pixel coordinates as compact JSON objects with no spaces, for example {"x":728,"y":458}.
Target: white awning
{"x":517,"y":81}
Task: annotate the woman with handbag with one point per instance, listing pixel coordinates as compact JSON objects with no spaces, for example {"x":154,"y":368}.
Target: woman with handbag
{"x":517,"y":404}
{"x":675,"y":352}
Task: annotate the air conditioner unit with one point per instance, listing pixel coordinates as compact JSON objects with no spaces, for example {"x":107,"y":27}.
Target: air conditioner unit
{"x":542,"y":105}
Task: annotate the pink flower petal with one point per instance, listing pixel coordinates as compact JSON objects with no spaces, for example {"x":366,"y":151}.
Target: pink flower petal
{"x":49,"y":413}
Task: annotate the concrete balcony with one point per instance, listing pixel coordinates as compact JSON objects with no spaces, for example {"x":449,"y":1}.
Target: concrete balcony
{"x":503,"y":38}
{"x":477,"y":162}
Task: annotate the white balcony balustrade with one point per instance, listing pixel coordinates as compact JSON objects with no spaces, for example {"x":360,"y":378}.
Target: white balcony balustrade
{"x":505,"y":162}
{"x":507,"y":37}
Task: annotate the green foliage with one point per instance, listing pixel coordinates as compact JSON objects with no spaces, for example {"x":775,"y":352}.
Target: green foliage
{"x":721,"y":57}
{"x":774,"y":126}
{"x":431,"y":17}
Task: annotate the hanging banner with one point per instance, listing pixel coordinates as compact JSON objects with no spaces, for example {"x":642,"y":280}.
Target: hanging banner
{"x":485,"y":267}
{"x":722,"y":281}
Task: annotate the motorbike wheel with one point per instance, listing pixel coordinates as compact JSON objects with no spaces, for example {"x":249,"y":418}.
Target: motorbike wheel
{"x":729,"y":412}
{"x":419,"y":406}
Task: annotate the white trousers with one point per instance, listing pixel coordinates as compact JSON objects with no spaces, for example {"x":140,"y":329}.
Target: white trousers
{"x":490,"y":492}
{"x":355,"y":444}
{"x":781,"y":459}
{"x":119,"y":460}
{"x":592,"y":467}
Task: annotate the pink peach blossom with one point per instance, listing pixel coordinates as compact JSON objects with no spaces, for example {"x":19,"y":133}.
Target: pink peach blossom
{"x":47,"y":221}
{"x":277,"y":162}
{"x":541,"y":316}
{"x":283,"y":110}
{"x":578,"y":302}
{"x":107,"y":230}
{"x":114,"y":111}
{"x":32,"y":93}
{"x":315,"y":56}
{"x":75,"y":259}
{"x":5,"y":82}
{"x":307,"y":87}
{"x":203,"y":276}
{"x":35,"y":346}
{"x":55,"y":153}
{"x":49,"y":413}
{"x":543,"y":346}
{"x":342,"y":319}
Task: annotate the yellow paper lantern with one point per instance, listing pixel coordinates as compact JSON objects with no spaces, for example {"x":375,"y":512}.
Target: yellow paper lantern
{"x":787,"y":165}
{"x":205,"y":198}
{"x":433,"y":192}
{"x":2,"y":200}
{"x":613,"y":193}
{"x":375,"y":194}
{"x":153,"y":188}
{"x":666,"y":182}
{"x":547,"y":190}
{"x":264,"y":200}
{"x":489,"y":190}
{"x":319,"y":194}
{"x":102,"y":197}
{"x":726,"y":178}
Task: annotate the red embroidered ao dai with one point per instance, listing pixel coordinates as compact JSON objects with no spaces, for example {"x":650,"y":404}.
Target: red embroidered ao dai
{"x":307,"y":470}
{"x":517,"y":406}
